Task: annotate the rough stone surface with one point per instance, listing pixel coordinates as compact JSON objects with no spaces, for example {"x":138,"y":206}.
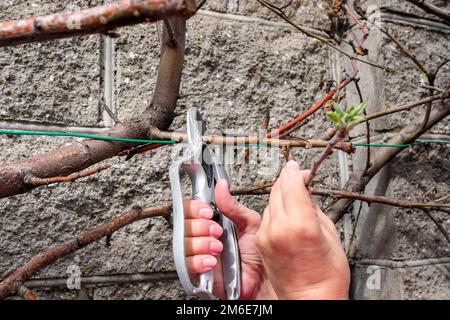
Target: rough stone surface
{"x":54,"y":82}
{"x":234,"y":72}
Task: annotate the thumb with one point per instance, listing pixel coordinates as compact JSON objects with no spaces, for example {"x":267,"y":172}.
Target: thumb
{"x":243,"y":217}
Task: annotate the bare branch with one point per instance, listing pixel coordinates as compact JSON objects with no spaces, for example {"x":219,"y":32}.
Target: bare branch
{"x":341,"y":134}
{"x":253,"y":140}
{"x":406,"y":51}
{"x":394,"y":264}
{"x":430,"y":8}
{"x":26,"y":293}
{"x":339,"y":194}
{"x":11,"y":284}
{"x":106,"y":279}
{"x":171,"y":41}
{"x":100,"y":19}
{"x":35,"y":181}
{"x":314,"y":108}
{"x":436,"y":222}
{"x":404,"y":107}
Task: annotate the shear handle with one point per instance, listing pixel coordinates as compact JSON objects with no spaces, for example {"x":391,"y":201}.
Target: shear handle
{"x":198,"y":179}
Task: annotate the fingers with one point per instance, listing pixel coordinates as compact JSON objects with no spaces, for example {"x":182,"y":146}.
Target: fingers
{"x":276,"y":206}
{"x":296,"y":198}
{"x":290,"y":204}
{"x":196,"y":209}
{"x":239,"y":214}
{"x":200,"y":263}
{"x":202,"y":245}
{"x":202,"y":228}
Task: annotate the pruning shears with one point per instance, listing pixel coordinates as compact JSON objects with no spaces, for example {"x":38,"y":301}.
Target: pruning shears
{"x":204,"y":172}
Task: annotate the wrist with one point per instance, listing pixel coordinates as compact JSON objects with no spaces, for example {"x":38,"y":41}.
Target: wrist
{"x":314,"y":295}
{"x":322,"y":291}
{"x":266,"y":292}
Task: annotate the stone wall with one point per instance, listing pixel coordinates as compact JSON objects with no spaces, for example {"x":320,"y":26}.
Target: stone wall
{"x":241,"y":61}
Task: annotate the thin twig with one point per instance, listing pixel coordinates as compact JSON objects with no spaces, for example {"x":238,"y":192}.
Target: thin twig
{"x":253,"y":140}
{"x":287,"y":153}
{"x":442,"y":198}
{"x":36,"y":181}
{"x":405,"y":50}
{"x":201,"y":4}
{"x":358,"y":89}
{"x":431,"y":78}
{"x":109,"y":111}
{"x":26,"y":293}
{"x":314,"y":108}
{"x":340,"y":194}
{"x":359,"y":47}
{"x":353,"y":235}
{"x":296,"y":127}
{"x":341,"y":134}
{"x":107,"y":279}
{"x":426,"y":86}
{"x":437,"y":223}
{"x":395,"y":264}
{"x":409,"y":106}
{"x":432,"y":9}
{"x":171,"y":41}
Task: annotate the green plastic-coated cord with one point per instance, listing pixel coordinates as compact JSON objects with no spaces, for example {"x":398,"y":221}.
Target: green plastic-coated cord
{"x":105,"y":138}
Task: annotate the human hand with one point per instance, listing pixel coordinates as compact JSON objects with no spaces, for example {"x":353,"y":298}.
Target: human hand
{"x":203,"y":247}
{"x":299,"y":245}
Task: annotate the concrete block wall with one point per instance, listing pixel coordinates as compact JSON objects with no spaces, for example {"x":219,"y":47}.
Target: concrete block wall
{"x":241,"y":61}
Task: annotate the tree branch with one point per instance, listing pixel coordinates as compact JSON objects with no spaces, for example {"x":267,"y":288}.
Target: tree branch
{"x":341,"y":134}
{"x":106,"y":279}
{"x":232,"y":140}
{"x":314,"y":108}
{"x":26,"y":293}
{"x":11,"y":284}
{"x":430,"y":8}
{"x":393,"y":264}
{"x":100,"y":19}
{"x":340,"y":194}
{"x":436,"y":222}
{"x":404,"y":107}
{"x":80,"y":155}
{"x":34,"y":181}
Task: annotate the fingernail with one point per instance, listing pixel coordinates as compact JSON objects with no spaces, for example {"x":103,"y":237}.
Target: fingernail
{"x":209,"y":262}
{"x":215,"y":230}
{"x":216,"y":247}
{"x":206,"y":213}
{"x":292,"y":165}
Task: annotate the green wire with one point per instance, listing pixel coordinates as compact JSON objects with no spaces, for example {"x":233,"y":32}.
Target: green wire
{"x":82,"y":135}
{"x":90,"y":136}
{"x":382,"y":145}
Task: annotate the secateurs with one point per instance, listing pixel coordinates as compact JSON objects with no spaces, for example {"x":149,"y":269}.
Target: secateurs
{"x":204,"y":172}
